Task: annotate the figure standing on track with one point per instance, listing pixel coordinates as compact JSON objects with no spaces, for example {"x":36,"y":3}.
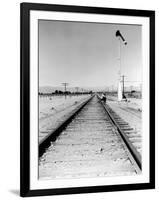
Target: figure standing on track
{"x":103,"y":98}
{"x":124,"y":97}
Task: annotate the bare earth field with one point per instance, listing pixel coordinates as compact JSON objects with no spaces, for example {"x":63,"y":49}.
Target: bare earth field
{"x":54,"y":110}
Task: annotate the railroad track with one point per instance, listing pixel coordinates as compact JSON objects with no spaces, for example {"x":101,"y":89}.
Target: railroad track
{"x":129,"y":135}
{"x":90,"y":145}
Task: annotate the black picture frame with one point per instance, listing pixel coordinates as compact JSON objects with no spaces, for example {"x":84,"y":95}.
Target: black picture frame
{"x":25,"y":9}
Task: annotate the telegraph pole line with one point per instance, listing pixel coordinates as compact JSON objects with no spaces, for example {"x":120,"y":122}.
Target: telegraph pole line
{"x":65,"y":85}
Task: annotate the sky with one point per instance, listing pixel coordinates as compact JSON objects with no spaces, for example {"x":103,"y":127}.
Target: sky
{"x":87,"y":54}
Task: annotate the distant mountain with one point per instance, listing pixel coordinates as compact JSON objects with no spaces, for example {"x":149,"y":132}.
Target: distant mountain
{"x":50,"y":89}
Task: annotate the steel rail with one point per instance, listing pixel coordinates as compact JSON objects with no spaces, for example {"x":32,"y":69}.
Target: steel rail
{"x":45,"y":143}
{"x":129,"y":145}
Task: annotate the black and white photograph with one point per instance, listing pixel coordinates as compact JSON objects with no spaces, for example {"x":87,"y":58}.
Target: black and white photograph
{"x":90,"y":99}
{"x":87,"y":99}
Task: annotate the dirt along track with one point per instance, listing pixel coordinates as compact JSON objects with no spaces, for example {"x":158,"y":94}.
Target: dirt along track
{"x":90,"y":146}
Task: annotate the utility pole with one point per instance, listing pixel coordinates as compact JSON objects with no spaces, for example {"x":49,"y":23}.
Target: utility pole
{"x":131,"y":88}
{"x":112,"y":88}
{"x":65,"y":85}
{"x":140,"y":90}
{"x":77,"y":89}
{"x":123,"y":77}
{"x":120,"y":38}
